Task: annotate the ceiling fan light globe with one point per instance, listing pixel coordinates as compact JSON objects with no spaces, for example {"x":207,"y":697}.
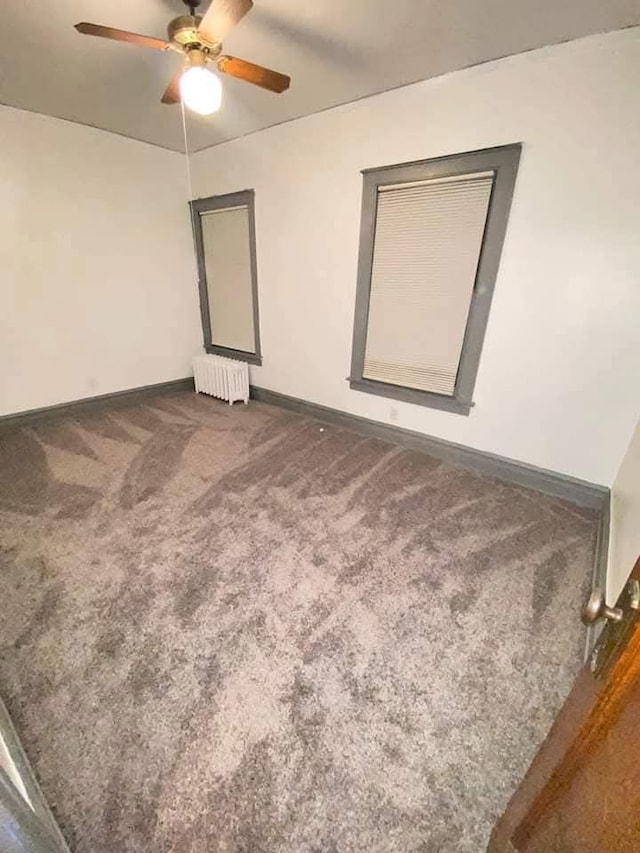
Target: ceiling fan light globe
{"x":201,"y":90}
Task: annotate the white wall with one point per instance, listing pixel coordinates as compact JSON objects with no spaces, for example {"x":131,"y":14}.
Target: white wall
{"x":97,"y":288}
{"x":559,"y":377}
{"x":624,"y":540}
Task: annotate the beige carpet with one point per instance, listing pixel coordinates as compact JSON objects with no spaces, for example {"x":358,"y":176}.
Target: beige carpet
{"x":235,"y":629}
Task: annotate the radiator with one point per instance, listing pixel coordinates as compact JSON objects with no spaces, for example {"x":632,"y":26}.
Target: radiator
{"x":221,"y":377}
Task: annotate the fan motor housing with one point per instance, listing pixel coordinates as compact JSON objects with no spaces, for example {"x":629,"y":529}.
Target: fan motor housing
{"x":184,"y":30}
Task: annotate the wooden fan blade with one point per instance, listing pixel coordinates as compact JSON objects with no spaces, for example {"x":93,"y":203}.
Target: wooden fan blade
{"x":220,"y":17}
{"x":121,"y":35}
{"x":172,"y":92}
{"x":256,"y":74}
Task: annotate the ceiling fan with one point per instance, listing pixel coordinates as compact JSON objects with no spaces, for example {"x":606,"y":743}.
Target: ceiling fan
{"x":199,"y":39}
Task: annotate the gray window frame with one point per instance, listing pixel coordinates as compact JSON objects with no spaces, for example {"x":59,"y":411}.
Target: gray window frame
{"x":503,"y":161}
{"x":244,"y":198}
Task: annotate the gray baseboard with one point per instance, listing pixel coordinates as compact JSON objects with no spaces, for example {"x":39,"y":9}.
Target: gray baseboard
{"x":602,"y":546}
{"x":551,"y":483}
{"x":600,"y":567}
{"x":103,"y":401}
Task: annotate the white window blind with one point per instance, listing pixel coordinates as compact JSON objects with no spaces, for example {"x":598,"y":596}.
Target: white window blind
{"x":227,"y":259}
{"x":426,"y":249}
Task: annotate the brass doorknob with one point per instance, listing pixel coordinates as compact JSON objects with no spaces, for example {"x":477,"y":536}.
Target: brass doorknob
{"x":597,"y":608}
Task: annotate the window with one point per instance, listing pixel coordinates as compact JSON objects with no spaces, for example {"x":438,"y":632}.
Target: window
{"x":224,"y":233}
{"x":430,"y":242}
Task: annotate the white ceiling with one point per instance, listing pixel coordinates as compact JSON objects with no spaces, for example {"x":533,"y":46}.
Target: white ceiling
{"x":335,"y":51}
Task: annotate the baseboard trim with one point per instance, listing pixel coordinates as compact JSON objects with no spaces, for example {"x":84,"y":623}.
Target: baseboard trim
{"x":600,"y":570}
{"x":602,"y":546}
{"x":88,"y":404}
{"x":543,"y":480}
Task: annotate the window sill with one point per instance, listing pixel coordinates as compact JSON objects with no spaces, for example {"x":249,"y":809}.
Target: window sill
{"x":237,"y":354}
{"x":412,"y":395}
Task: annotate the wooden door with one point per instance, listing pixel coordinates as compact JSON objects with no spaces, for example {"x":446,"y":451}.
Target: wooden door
{"x":582,"y":791}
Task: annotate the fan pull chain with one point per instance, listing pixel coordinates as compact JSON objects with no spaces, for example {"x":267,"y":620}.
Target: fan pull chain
{"x":189,"y":183}
{"x":186,"y":151}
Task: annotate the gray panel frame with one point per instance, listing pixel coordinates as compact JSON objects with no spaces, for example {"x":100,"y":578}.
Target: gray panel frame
{"x":503,"y":161}
{"x":244,"y":198}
